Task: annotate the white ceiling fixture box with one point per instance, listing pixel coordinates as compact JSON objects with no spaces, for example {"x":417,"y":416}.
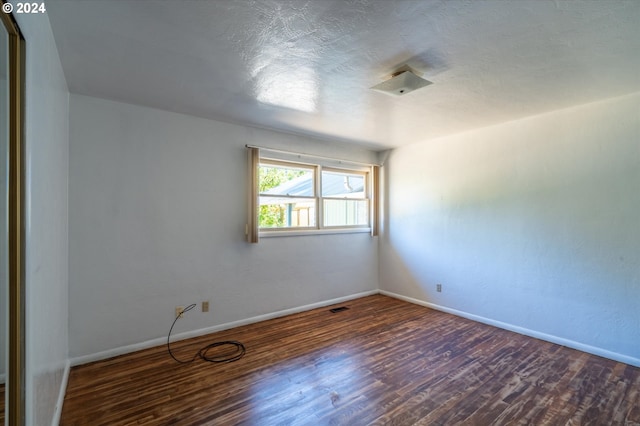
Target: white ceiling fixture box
{"x":401,"y":82}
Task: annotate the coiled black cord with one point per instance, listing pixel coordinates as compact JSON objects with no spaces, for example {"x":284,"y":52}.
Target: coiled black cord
{"x":202,"y":353}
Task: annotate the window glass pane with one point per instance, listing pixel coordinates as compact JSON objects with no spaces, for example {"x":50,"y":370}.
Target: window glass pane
{"x":286,"y":212}
{"x":342,"y":185}
{"x":282,"y":180}
{"x":346,"y":212}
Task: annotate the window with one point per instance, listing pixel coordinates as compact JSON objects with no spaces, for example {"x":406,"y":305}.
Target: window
{"x":309,"y":197}
{"x":287,"y":195}
{"x":344,"y":198}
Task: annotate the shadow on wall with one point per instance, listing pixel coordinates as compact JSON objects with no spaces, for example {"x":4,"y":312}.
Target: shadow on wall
{"x":541,"y":237}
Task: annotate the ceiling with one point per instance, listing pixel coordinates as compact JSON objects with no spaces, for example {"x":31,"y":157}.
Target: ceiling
{"x":306,"y":67}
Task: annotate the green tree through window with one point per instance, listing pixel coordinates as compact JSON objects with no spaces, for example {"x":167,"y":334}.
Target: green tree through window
{"x":273,"y":215}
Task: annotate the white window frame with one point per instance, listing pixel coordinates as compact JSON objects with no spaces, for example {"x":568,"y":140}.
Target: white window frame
{"x":314,"y":197}
{"x":319,"y":227}
{"x":367,"y":196}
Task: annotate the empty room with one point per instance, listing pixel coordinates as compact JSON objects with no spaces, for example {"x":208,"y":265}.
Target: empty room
{"x":320,"y":212}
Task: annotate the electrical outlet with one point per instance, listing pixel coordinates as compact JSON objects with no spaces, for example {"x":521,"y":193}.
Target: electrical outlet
{"x":205,"y":306}
{"x":179,"y":312}
{"x":439,"y":288}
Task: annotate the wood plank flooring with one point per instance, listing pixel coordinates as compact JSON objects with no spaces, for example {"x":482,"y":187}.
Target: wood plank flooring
{"x":381,"y":362}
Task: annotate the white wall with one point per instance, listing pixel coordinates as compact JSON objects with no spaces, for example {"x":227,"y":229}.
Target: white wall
{"x":532,"y":223}
{"x":47,"y":156}
{"x":157,"y":216}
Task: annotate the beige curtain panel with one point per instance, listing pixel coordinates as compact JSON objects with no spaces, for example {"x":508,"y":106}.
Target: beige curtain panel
{"x":375,"y":195}
{"x":252,"y":222}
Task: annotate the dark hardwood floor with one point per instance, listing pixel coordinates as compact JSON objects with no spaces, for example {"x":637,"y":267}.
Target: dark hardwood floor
{"x":382,"y":362}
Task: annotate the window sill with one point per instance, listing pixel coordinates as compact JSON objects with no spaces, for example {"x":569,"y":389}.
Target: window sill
{"x":299,"y":232}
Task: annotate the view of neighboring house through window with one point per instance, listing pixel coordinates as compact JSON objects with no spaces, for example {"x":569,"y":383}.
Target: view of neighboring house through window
{"x":287,"y":195}
{"x":344,"y":198}
{"x":303,"y":196}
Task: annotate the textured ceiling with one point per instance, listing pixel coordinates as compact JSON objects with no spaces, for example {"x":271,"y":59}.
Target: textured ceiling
{"x":306,"y":66}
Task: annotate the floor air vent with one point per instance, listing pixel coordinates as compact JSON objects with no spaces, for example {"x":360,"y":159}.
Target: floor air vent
{"x":340,"y":309}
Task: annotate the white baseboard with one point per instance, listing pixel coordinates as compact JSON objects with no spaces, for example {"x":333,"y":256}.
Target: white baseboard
{"x":203,"y":331}
{"x":61,"y":393}
{"x":521,"y":330}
